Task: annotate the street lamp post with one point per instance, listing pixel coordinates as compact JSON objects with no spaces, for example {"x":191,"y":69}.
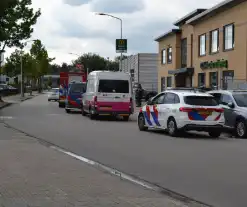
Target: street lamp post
{"x":22,"y":86}
{"x":121,"y":32}
{"x":78,"y":56}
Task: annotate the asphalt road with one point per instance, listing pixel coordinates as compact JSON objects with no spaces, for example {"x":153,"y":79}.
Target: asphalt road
{"x":212,"y":171}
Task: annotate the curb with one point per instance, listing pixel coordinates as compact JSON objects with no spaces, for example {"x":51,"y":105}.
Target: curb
{"x":6,"y":105}
{"x":9,"y":104}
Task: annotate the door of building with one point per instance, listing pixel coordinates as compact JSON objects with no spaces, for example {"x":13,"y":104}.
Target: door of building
{"x":163,"y":83}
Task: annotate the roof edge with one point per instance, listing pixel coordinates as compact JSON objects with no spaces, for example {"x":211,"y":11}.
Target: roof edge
{"x":227,"y":4}
{"x":173,"y":31}
{"x":190,"y":15}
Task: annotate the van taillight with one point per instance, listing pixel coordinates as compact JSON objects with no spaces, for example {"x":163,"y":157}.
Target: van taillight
{"x":95,"y":101}
{"x":131,"y":105}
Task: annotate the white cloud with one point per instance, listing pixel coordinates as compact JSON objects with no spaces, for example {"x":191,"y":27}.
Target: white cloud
{"x":64,"y":28}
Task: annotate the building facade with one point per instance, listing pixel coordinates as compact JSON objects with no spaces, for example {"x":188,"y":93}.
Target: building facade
{"x":208,"y":48}
{"x":143,"y":69}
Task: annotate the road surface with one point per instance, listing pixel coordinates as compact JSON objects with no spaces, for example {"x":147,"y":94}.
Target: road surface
{"x":208,"y":170}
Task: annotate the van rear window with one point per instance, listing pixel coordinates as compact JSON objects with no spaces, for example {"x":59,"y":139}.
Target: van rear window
{"x":113,"y":86}
{"x":78,"y":88}
{"x":200,"y":100}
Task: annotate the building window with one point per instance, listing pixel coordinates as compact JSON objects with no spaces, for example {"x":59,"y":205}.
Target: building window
{"x":184,"y":53}
{"x":202,"y":45}
{"x":213,"y":80}
{"x":169,"y":82}
{"x":169,"y":55}
{"x":214,"y":41}
{"x":201,"y":79}
{"x":229,"y":37}
{"x":163,"y":56}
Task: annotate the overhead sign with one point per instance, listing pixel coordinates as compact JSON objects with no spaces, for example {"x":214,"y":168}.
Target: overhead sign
{"x":214,"y":64}
{"x":121,"y":45}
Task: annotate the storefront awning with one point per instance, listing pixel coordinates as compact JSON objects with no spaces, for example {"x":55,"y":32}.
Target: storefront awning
{"x":190,"y":71}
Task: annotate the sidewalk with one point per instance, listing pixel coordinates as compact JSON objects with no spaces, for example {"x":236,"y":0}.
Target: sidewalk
{"x":35,"y":175}
{"x":15,"y":99}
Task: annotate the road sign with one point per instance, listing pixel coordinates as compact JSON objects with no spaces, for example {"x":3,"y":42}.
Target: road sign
{"x":121,"y":45}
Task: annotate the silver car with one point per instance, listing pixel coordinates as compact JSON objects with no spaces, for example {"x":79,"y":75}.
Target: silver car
{"x":53,"y":94}
{"x":234,"y":103}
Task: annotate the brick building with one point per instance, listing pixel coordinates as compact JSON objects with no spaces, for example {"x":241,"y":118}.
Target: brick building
{"x":208,"y":48}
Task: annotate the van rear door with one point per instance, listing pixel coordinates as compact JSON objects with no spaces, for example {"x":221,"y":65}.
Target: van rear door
{"x":75,"y":92}
{"x":114,"y":95}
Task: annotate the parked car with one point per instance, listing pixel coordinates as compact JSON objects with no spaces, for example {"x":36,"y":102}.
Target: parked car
{"x":12,"y":90}
{"x":146,"y":94}
{"x":7,"y":90}
{"x":178,"y":111}
{"x":234,"y":104}
{"x":53,"y":94}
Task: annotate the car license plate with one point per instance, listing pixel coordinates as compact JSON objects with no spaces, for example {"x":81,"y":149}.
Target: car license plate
{"x":205,"y":113}
{"x":106,"y":108}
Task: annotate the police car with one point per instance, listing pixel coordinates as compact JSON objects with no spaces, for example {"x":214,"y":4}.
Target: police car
{"x":178,"y":111}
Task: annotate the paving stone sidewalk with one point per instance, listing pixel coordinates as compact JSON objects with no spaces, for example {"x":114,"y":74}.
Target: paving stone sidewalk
{"x":35,"y":175}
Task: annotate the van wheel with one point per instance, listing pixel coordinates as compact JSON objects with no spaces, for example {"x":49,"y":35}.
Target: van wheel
{"x":214,"y":134}
{"x":83,"y":113}
{"x":126,"y":118}
{"x":67,"y":111}
{"x":91,"y":115}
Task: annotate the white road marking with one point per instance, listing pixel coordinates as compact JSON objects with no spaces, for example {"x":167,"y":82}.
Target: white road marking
{"x":5,"y":117}
{"x":114,"y":172}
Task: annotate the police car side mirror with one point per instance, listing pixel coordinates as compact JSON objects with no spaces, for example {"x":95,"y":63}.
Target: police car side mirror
{"x":150,"y":102}
{"x":231,"y":105}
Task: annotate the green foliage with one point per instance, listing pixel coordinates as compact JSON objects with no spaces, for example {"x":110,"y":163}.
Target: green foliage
{"x":34,"y":64}
{"x":16,"y":21}
{"x":95,"y":62}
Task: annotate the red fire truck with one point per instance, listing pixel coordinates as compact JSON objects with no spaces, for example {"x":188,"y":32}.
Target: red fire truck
{"x":65,"y":79}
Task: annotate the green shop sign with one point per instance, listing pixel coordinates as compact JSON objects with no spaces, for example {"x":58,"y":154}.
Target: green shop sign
{"x":214,"y":64}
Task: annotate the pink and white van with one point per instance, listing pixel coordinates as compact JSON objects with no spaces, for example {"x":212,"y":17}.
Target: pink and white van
{"x":108,"y":94}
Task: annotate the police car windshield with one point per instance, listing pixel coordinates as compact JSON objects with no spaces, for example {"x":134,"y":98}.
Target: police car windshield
{"x":241,"y":99}
{"x":200,"y":100}
{"x":77,"y":88}
{"x":114,"y":86}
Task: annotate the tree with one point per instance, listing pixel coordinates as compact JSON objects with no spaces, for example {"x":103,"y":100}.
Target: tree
{"x":16,"y":21}
{"x":91,"y":61}
{"x":12,"y":66}
{"x":41,"y":61}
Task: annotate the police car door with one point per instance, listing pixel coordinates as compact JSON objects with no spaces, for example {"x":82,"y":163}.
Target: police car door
{"x":155,"y":109}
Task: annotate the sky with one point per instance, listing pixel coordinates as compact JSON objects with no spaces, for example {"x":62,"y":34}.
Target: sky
{"x":71,"y":26}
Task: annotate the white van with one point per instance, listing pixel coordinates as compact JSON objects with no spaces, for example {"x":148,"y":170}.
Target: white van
{"x":108,"y":93}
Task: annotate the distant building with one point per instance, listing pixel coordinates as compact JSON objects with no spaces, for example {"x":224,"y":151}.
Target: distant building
{"x":143,"y":68}
{"x":54,"y":78}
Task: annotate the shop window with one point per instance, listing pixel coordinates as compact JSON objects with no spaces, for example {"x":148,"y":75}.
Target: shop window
{"x":229,"y":37}
{"x":169,"y":81}
{"x":202,"y":45}
{"x":201,"y":79}
{"x":169,"y":55}
{"x":214,"y":41}
{"x":163,"y":56}
{"x":213,"y":79}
